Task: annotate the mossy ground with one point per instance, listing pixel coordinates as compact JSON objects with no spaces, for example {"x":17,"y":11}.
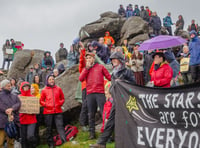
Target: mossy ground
{"x":81,"y":141}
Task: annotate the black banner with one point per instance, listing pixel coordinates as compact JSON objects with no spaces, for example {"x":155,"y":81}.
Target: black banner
{"x":157,"y":117}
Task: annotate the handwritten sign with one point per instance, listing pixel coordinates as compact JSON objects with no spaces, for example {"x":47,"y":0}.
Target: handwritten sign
{"x":29,"y":105}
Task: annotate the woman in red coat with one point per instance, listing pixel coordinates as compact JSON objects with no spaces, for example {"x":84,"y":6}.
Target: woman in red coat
{"x":52,"y":98}
{"x":162,"y":73}
{"x":27,"y":121}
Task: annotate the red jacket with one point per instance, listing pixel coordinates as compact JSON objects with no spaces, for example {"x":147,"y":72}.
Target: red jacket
{"x":162,"y":76}
{"x":95,"y":78}
{"x":52,"y":98}
{"x":26,"y":118}
{"x":82,"y":65}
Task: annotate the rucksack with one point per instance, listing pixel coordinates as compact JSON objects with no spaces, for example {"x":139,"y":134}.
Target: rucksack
{"x":70,"y":133}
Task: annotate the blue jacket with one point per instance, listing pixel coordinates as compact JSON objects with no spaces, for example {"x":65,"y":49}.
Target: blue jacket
{"x":194,"y":49}
{"x":129,"y":13}
{"x":167,"y":21}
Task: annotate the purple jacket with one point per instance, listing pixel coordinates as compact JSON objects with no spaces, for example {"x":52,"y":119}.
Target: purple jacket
{"x":8,"y":100}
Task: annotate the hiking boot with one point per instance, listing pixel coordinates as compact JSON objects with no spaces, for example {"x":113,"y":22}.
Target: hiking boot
{"x":85,"y":129}
{"x":97,"y":146}
{"x":92,"y":136}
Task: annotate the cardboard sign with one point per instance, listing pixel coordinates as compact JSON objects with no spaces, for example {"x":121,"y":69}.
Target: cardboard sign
{"x":184,"y":64}
{"x":9,"y":51}
{"x":29,"y":105}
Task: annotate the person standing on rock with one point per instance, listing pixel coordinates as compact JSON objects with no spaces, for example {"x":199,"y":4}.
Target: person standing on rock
{"x":52,"y":99}
{"x":122,"y":73}
{"x":144,"y":14}
{"x":7,"y":57}
{"x":94,"y":74}
{"x":29,"y":75}
{"x":155,"y":22}
{"x":167,"y":22}
{"x":62,"y":52}
{"x":179,"y":24}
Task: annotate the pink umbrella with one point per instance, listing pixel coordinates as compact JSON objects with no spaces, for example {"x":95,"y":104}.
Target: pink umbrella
{"x":162,"y":42}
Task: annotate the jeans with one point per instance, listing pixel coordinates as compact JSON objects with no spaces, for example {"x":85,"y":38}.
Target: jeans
{"x":58,"y":119}
{"x":28,"y":135}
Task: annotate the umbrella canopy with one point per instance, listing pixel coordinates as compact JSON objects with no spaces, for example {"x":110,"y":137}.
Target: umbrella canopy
{"x":162,"y":42}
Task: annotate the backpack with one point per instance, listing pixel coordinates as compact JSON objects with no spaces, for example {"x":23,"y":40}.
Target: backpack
{"x":70,"y":132}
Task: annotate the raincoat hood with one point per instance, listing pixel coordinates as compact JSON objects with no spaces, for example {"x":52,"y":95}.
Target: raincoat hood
{"x":119,"y":56}
{"x":46,"y":53}
{"x":107,"y":32}
{"x":37,"y":91}
{"x":25,"y":93}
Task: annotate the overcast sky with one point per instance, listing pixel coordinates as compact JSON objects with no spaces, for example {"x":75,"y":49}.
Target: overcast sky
{"x":43,"y":24}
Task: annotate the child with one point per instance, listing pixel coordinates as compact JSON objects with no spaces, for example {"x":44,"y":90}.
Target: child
{"x":27,"y":121}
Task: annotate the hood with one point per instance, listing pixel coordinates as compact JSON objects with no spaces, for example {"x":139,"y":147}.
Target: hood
{"x":193,"y":32}
{"x":119,"y":56}
{"x":36,"y":87}
{"x":61,"y":68}
{"x":47,"y":78}
{"x":169,"y":56}
{"x":107,"y":32}
{"x":46,"y":53}
{"x":25,"y":93}
{"x":95,"y":43}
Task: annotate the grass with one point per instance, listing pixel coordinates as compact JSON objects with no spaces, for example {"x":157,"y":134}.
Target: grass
{"x":81,"y":141}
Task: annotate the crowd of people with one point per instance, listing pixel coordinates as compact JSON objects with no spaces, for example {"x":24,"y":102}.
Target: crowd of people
{"x":154,"y":20}
{"x":155,"y":68}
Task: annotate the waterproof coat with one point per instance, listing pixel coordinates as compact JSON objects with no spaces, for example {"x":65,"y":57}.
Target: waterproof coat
{"x":52,"y":98}
{"x":26,"y":118}
{"x":162,"y":76}
{"x":8,"y":100}
{"x":95,"y":78}
{"x":167,"y":21}
{"x":47,"y":61}
{"x":72,"y":59}
{"x":155,"y":22}
{"x":82,"y":62}
{"x":194,"y":49}
{"x":108,"y":37}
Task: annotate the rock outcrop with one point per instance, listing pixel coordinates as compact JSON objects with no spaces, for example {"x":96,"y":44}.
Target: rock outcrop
{"x":109,"y":21}
{"x":68,"y":82}
{"x":23,"y":60}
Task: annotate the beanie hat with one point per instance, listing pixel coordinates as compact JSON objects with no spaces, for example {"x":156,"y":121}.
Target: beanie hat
{"x":4,"y":83}
{"x":193,"y":32}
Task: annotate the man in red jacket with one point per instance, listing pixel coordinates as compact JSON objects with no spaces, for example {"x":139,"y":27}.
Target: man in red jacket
{"x":52,"y":98}
{"x":162,"y":73}
{"x":94,"y":74}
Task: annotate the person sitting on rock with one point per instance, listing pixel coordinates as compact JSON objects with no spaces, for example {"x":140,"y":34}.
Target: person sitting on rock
{"x":72,"y":57}
{"x":136,"y":11}
{"x":29,"y":75}
{"x":62,"y":52}
{"x":47,"y":61}
{"x":107,"y":36}
{"x":37,"y":70}
{"x":121,"y":11}
{"x":129,"y":12}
